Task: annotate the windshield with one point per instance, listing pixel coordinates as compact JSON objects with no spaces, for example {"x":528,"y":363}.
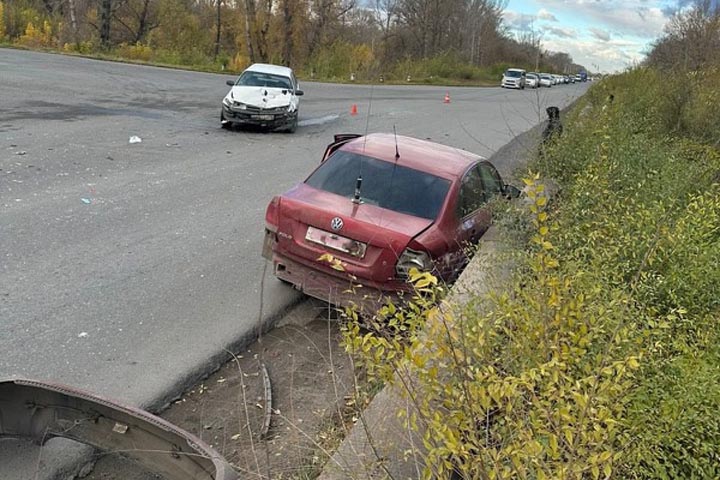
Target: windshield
{"x":384,"y":184}
{"x":513,"y":73}
{"x":260,"y":79}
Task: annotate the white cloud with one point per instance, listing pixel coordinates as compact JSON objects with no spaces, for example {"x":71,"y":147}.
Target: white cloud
{"x":600,"y":34}
{"x":545,"y":15}
{"x":519,"y":21}
{"x":610,"y":56}
{"x":627,"y":17}
{"x":560,"y":32}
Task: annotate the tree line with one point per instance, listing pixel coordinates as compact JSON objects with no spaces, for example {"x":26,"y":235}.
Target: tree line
{"x":329,"y":38}
{"x":691,"y":41}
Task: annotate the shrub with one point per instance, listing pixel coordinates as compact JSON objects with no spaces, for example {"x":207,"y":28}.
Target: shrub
{"x":535,"y":388}
{"x":602,"y":357}
{"x":84,"y":48}
{"x":340,"y":59}
{"x":137,"y":51}
{"x":3,"y":31}
{"x":37,"y":37}
{"x":239,"y":62}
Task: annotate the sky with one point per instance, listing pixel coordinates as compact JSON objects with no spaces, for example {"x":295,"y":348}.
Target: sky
{"x":602,"y":35}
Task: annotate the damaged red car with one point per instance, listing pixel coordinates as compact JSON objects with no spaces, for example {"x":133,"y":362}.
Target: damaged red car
{"x":376,"y":207}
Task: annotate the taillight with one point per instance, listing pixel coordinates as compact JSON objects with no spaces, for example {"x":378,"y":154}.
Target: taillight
{"x":272,"y":215}
{"x":411,"y":258}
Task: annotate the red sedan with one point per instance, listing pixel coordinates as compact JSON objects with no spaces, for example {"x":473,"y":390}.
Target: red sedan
{"x":377,"y":206}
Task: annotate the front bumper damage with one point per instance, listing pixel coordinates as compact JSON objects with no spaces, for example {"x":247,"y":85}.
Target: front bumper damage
{"x":40,"y":411}
{"x":275,"y":118}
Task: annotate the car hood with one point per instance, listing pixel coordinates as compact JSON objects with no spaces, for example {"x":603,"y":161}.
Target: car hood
{"x":262,"y":97}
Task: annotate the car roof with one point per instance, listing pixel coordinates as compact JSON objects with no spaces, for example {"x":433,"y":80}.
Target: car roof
{"x":434,"y":158}
{"x":268,"y":68}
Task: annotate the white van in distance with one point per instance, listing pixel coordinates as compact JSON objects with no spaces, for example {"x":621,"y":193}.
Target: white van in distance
{"x":513,"y":78}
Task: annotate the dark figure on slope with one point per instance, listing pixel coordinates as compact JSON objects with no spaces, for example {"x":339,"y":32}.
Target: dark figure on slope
{"x":554,"y":128}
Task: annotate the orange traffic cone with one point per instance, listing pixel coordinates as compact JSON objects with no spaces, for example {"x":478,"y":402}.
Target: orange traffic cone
{"x":447,"y":97}
{"x":353,"y":109}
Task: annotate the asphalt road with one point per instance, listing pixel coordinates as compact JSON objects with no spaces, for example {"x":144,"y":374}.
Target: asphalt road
{"x":127,"y":269}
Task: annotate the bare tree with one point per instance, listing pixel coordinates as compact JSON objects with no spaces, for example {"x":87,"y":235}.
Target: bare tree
{"x":137,"y":17}
{"x":287,"y":12}
{"x":325,"y":15}
{"x":106,"y":13}
{"x":692,"y":39}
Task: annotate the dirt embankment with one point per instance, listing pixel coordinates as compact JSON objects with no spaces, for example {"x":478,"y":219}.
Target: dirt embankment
{"x":311,"y":380}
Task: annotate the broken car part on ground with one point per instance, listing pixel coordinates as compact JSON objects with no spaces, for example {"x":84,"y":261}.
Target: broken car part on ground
{"x":40,"y":411}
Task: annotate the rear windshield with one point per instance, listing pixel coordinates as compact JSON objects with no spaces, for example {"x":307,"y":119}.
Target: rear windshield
{"x":384,"y":184}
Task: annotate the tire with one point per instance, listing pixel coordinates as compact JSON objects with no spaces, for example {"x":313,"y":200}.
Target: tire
{"x":293,"y":126}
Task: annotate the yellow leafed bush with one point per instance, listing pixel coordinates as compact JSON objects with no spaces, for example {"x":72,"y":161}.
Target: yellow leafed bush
{"x":37,"y":36}
{"x":137,"y":51}
{"x":3,"y":31}
{"x":601,"y":358}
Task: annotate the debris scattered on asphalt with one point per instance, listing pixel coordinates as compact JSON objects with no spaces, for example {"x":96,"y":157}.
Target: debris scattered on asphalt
{"x":135,"y":139}
{"x":21,"y":152}
{"x":86,"y":201}
{"x":83,"y":335}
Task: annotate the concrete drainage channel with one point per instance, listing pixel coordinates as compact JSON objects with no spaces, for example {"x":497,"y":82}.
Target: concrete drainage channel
{"x":227,"y":418}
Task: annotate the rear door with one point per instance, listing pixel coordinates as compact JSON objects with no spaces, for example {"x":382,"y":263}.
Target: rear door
{"x":472,"y":220}
{"x":492,"y":183}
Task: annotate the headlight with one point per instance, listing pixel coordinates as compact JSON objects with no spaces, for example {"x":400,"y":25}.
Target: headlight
{"x":241,"y":106}
{"x":413,"y":259}
{"x":227,"y":101}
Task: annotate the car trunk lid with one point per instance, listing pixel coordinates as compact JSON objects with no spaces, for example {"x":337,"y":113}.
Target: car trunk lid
{"x":368,"y":242}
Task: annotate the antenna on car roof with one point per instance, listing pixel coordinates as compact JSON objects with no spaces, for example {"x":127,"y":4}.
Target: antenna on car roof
{"x":397,"y":151}
{"x":357,"y":198}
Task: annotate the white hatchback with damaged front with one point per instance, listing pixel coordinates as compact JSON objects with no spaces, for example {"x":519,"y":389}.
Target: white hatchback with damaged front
{"x":265,"y":96}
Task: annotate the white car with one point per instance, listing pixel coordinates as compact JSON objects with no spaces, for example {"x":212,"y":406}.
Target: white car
{"x":513,"y":78}
{"x":546,"y":80}
{"x":265,"y":96}
{"x":532,"y":80}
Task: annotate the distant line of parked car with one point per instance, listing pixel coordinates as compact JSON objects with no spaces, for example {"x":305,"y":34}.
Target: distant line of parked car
{"x":519,"y":78}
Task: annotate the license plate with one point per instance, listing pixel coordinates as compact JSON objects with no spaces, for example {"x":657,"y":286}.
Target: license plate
{"x":336,"y":242}
{"x":263,"y":117}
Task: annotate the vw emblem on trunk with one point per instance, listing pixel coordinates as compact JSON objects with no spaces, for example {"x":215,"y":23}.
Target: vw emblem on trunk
{"x":336,"y":223}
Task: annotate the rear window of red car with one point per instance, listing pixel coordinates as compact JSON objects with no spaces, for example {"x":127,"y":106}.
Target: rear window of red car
{"x":384,"y":184}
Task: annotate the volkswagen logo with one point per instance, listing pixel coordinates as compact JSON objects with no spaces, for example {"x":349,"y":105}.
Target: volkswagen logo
{"x":336,"y":223}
